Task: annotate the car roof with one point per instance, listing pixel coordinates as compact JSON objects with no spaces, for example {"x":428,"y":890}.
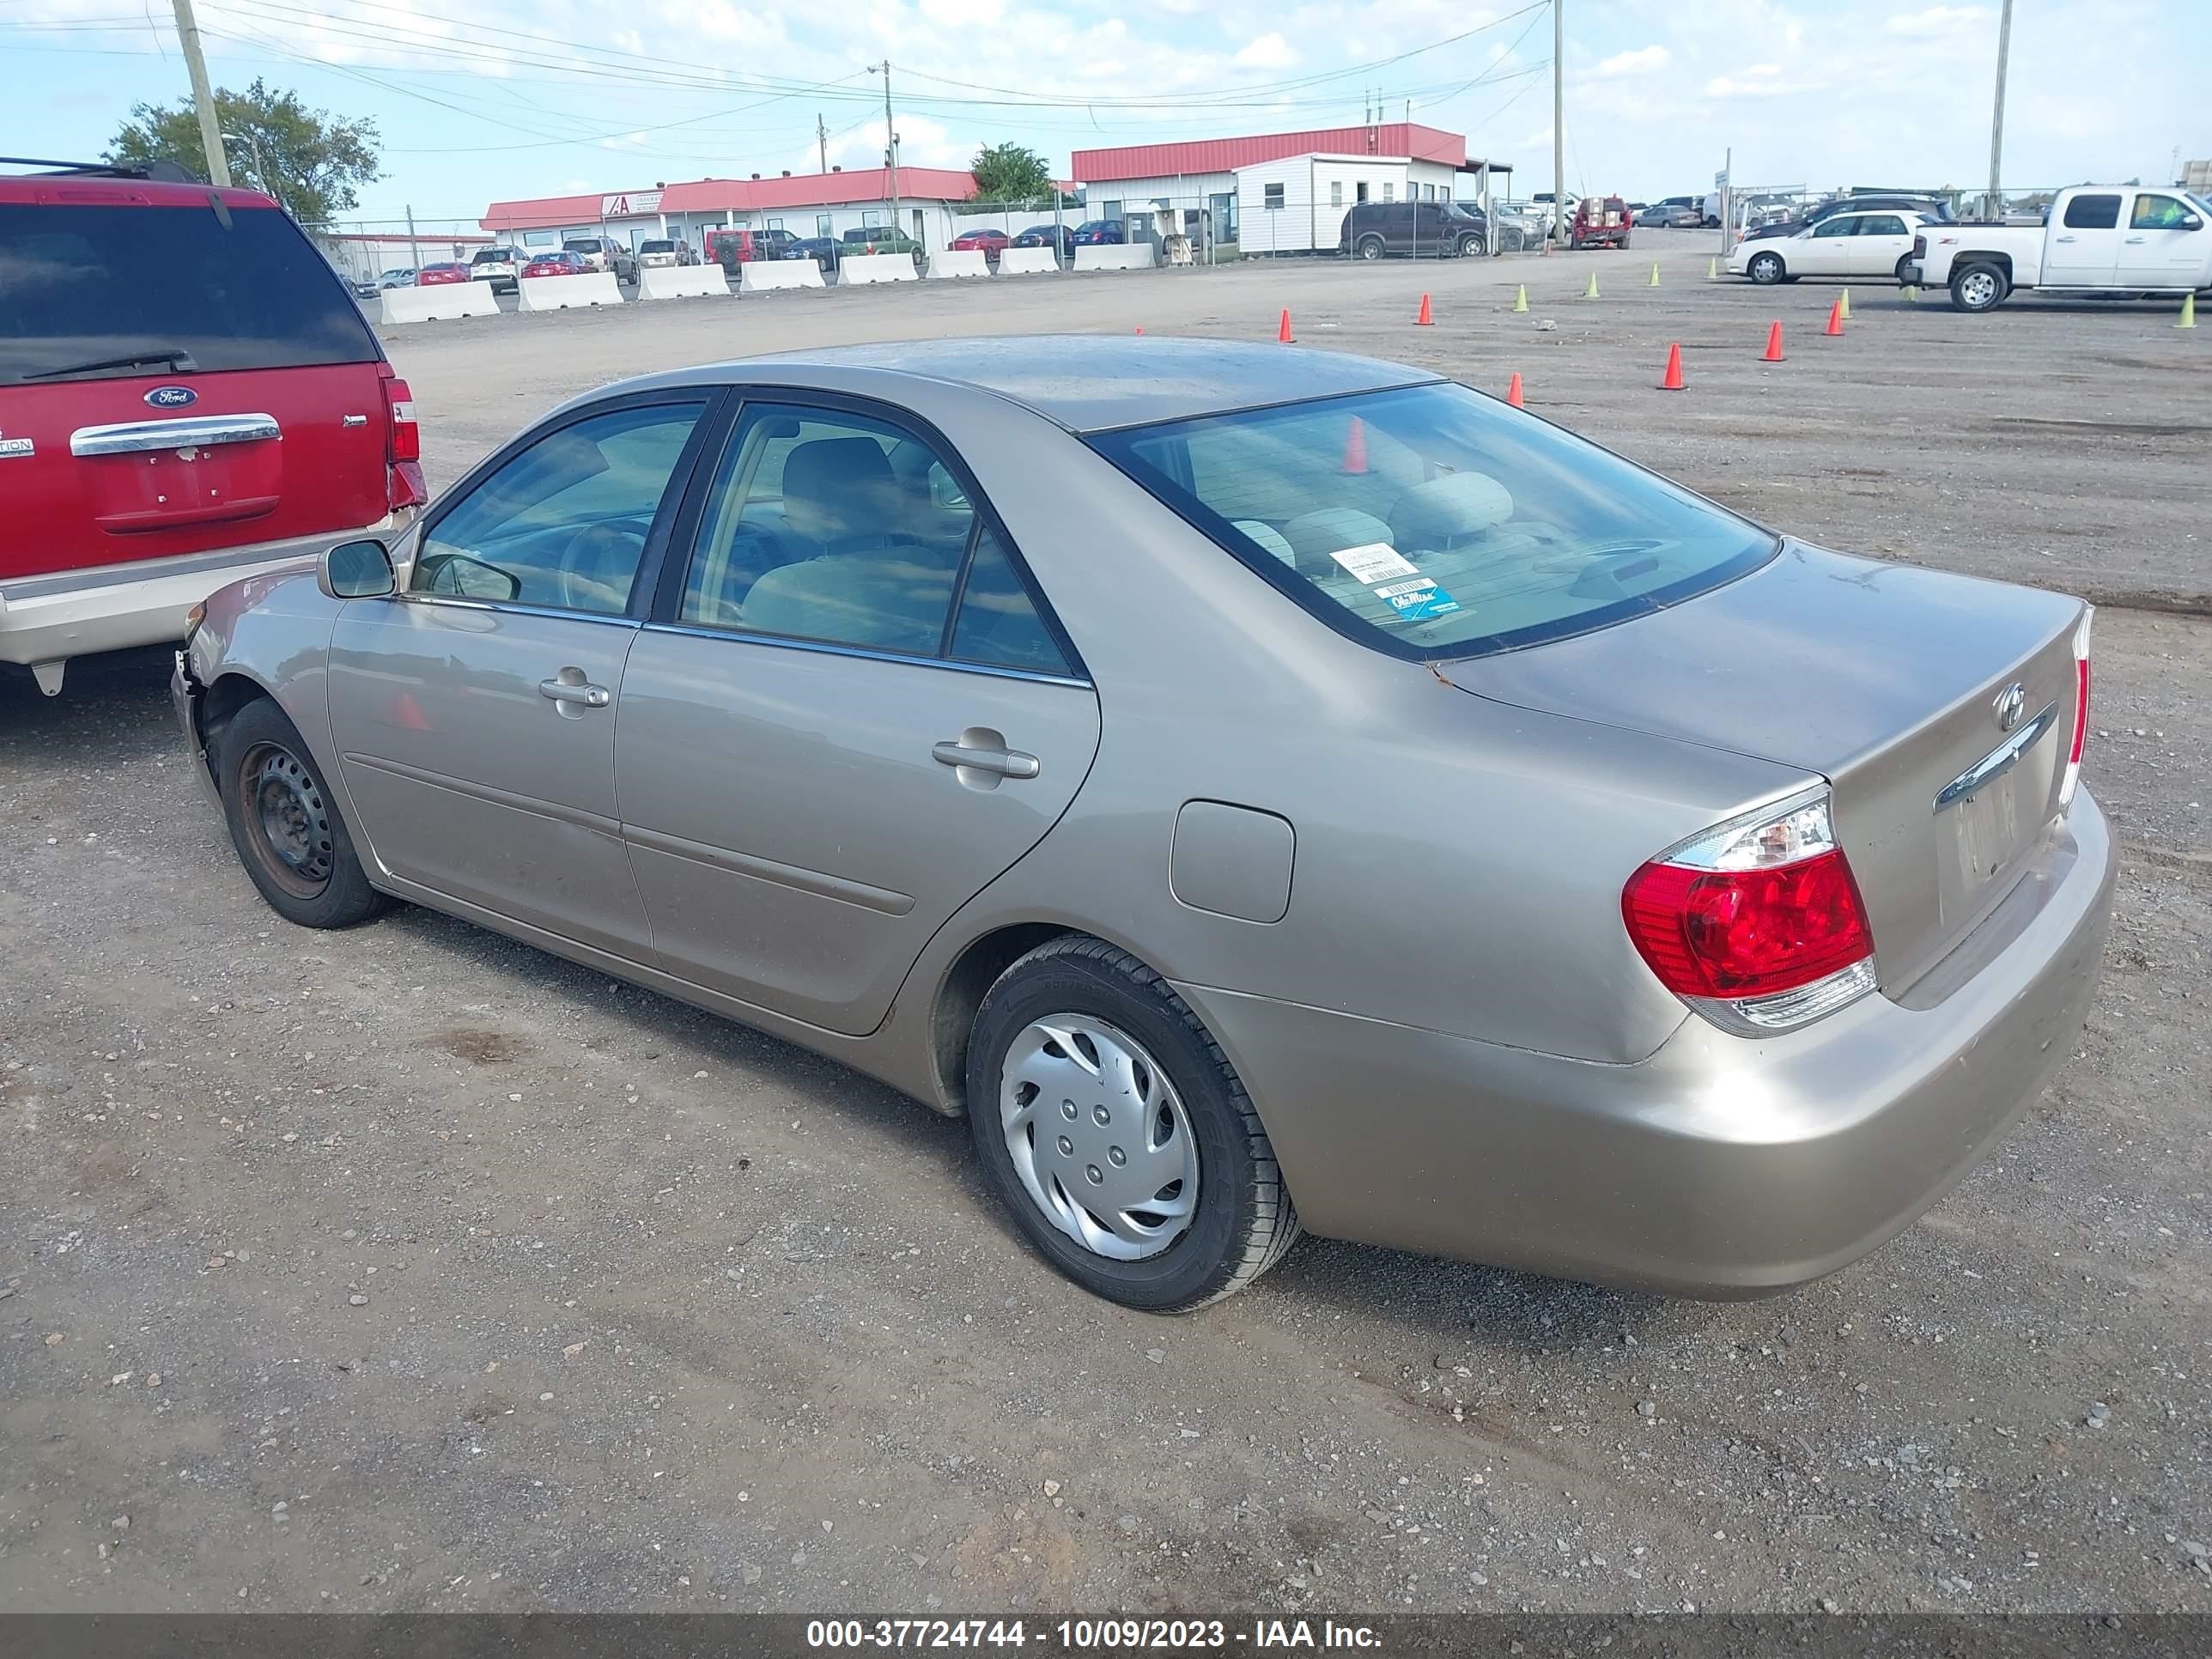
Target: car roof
{"x":1083,"y":382}
{"x":90,"y":189}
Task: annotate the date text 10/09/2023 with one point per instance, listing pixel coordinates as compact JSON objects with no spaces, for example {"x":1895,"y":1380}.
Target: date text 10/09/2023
{"x":1089,"y":1635}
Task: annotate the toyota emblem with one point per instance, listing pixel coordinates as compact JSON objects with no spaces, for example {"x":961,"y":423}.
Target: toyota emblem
{"x":2011,"y":704}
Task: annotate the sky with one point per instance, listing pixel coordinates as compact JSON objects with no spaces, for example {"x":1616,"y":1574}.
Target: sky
{"x":500,"y":99}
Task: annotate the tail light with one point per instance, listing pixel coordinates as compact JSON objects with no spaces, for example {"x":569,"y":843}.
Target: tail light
{"x":1920,"y":247}
{"x":1756,"y":923}
{"x":403,"y":447}
{"x":2071,"y":779}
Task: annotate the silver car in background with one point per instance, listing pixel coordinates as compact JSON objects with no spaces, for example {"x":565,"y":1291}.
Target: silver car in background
{"x":1260,"y":788}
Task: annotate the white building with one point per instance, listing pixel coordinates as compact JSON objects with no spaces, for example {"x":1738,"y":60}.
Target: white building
{"x":1297,"y":204}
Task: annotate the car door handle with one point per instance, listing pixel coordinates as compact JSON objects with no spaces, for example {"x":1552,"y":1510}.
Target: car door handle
{"x":2061,"y":238}
{"x":1006,"y":762}
{"x":576,"y":692}
{"x":2134,"y":239}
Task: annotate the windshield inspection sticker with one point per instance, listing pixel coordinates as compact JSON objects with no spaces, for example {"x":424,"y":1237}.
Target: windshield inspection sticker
{"x":1416,"y":601}
{"x":1373,"y":561}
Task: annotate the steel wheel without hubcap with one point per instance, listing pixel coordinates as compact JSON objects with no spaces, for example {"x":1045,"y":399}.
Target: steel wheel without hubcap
{"x":285,"y":803}
{"x":1098,"y":1136}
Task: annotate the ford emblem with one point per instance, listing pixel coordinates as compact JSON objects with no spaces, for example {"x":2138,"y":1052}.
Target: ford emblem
{"x":172,"y":397}
{"x":2011,"y":704}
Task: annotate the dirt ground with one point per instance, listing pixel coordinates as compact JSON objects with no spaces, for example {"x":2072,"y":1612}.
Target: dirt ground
{"x":410,"y":1269}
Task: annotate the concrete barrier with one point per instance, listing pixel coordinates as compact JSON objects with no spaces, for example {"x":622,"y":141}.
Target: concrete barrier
{"x":959,"y":262}
{"x":681,"y":282}
{"x":855,"y":270}
{"x":594,"y":288}
{"x":763,"y":276}
{"x":437,"y":304}
{"x":1028,"y":261}
{"x":1114,"y":256}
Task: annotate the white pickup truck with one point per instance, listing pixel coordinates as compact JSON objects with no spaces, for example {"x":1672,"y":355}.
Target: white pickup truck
{"x":2100,"y":238}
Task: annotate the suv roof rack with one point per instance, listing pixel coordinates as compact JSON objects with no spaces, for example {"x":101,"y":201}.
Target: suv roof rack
{"x":165,"y":171}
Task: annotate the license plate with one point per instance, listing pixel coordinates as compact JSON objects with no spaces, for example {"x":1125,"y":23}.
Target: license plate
{"x":1988,"y":817}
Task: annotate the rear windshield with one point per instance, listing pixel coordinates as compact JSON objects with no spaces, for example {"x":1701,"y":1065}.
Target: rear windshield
{"x":1434,"y":522}
{"x":494,"y":256}
{"x":83,"y":284}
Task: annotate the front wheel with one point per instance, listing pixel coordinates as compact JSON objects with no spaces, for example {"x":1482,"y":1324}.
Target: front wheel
{"x":287,"y":828}
{"x":1469,"y":247}
{"x":1764,"y":268}
{"x":1109,"y":1122}
{"x":1979,"y":288}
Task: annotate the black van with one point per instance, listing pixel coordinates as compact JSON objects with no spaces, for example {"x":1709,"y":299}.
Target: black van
{"x":1423,"y":229}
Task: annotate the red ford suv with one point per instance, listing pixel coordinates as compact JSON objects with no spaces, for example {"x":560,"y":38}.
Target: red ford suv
{"x":188,"y":395}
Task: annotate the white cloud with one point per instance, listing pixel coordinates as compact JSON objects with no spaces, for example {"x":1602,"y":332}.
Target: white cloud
{"x":1270,"y":51}
{"x":1642,"y":61}
{"x":963,"y":14}
{"x":1757,"y":86}
{"x":1937,"y":19}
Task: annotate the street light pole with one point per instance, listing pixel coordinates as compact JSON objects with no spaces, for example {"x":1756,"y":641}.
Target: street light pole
{"x":891,"y":143}
{"x":261,"y":177}
{"x":1997,"y":114}
{"x":188,"y":36}
{"x":1558,"y":122}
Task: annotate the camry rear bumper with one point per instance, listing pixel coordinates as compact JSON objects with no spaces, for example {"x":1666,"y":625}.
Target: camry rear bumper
{"x":46,"y":620}
{"x":1720,"y":1166}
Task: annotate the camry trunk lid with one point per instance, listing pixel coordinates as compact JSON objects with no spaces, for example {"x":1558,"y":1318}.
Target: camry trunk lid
{"x":1895,"y":683}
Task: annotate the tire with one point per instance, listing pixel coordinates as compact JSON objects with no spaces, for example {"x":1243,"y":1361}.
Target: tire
{"x":1979,"y":288}
{"x":285,"y":825}
{"x":1470,"y":247}
{"x":1369,"y":247}
{"x":1185,"y":1093}
{"x":1765,"y":268}
{"x":1903,"y":264}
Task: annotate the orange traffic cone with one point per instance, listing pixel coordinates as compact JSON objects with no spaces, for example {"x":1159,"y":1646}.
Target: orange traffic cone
{"x":1355,"y":448}
{"x":1283,"y":329}
{"x":1513,"y":391}
{"x":1835,"y":319}
{"x":1424,"y":320}
{"x":1673,"y":379}
{"x":1773,"y":342}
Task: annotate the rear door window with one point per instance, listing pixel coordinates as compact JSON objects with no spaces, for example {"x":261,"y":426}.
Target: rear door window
{"x":83,"y":284}
{"x":2093,"y":213}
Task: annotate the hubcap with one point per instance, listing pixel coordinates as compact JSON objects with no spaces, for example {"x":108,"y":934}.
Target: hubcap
{"x":285,"y":803}
{"x":1979,"y":288}
{"x":1098,"y":1136}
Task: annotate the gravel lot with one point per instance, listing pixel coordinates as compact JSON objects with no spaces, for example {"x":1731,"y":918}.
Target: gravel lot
{"x":410,"y":1269}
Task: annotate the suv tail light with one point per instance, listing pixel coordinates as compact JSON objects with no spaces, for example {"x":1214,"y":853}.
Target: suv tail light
{"x":403,"y":447}
{"x":1756,"y":923}
{"x":2071,"y":779}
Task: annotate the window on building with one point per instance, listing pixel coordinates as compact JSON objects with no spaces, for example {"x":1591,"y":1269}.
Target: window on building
{"x":775,"y":224}
{"x":1273,"y":196}
{"x":1359,"y":191}
{"x":540,"y":239}
{"x":1389,"y":193}
{"x":870,"y":217}
{"x":1336,"y":192}
{"x":1112,"y":211}
{"x":822,"y":225}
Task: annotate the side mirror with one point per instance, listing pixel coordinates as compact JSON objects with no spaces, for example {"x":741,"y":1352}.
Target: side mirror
{"x":2191,"y":221}
{"x":356,"y":570}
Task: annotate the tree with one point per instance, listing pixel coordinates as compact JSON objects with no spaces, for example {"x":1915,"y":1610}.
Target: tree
{"x":306,"y":159}
{"x":1010,"y":172}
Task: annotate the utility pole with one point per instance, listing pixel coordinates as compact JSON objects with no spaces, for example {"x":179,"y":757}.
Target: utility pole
{"x":891,"y":143}
{"x":1997,"y":117}
{"x":261,"y":178}
{"x":188,"y":35}
{"x":1558,"y":122}
{"x":822,"y":138}
{"x":414,"y":248}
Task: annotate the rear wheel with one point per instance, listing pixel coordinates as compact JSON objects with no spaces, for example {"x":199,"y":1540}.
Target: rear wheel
{"x":1979,"y":288}
{"x":1371,"y":247}
{"x":287,"y":828}
{"x":1764,"y":268}
{"x":1114,"y":1127}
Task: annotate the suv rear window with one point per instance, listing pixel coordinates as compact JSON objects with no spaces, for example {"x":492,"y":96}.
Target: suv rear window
{"x":82,"y":284}
{"x":1434,"y":522}
{"x":495,"y":256}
